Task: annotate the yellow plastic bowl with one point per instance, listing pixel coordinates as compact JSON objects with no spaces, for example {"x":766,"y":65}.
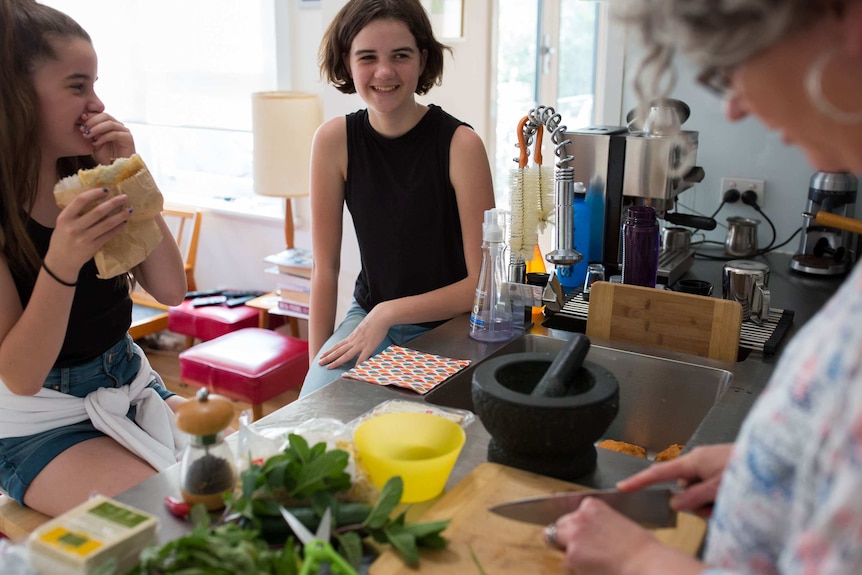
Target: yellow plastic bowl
{"x":420,"y":447}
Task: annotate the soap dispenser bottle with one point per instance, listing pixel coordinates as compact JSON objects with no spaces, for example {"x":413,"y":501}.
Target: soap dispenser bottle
{"x":491,"y":318}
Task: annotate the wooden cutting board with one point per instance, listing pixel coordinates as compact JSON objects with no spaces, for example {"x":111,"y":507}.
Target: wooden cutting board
{"x":504,"y":546}
{"x":694,"y":324}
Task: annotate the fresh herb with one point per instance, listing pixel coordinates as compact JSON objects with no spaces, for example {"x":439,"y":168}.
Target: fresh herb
{"x":227,"y":549}
{"x":476,"y":560}
{"x":258,"y":539}
{"x":304,"y":471}
{"x":315,"y":477}
{"x":404,"y":537}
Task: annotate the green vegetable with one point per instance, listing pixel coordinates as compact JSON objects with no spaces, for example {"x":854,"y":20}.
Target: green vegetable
{"x":304,"y":472}
{"x":223,"y":550}
{"x":350,"y":546}
{"x":310,"y":474}
{"x":317,"y":476}
{"x":476,"y":560}
{"x":274,"y":529}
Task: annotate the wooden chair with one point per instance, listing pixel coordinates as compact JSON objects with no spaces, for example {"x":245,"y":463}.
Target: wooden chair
{"x":148,"y":315}
{"x":675,"y":321}
{"x":18,"y":522}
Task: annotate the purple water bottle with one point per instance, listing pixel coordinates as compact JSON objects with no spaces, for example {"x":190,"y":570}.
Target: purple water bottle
{"x":640,"y":246}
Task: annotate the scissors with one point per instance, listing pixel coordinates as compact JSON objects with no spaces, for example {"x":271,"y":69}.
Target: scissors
{"x":317,"y":548}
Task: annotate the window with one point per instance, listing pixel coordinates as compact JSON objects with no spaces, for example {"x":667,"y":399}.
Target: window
{"x":516,"y":90}
{"x":181,"y":78}
{"x":576,"y":63}
{"x":549,"y":52}
{"x":446,"y":18}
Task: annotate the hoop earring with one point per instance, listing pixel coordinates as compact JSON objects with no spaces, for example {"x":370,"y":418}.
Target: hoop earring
{"x":814,"y":87}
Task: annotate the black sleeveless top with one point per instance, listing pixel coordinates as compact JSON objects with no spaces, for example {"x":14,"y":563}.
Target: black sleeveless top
{"x":404,"y":208}
{"x":101,"y":309}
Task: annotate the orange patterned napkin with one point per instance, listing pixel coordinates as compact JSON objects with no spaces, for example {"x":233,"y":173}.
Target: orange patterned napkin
{"x":408,"y":368}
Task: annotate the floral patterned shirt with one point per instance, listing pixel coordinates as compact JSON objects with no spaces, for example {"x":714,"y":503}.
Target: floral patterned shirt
{"x":790,"y":501}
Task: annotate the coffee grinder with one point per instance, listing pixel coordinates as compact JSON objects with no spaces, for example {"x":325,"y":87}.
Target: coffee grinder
{"x":824,"y":250}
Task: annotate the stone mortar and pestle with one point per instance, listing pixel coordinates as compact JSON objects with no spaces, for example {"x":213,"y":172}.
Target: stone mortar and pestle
{"x":545,"y":412}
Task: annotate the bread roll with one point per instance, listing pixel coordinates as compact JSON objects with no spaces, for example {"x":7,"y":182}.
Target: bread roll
{"x":141,"y":235}
{"x":102,"y":176}
{"x":122,"y":169}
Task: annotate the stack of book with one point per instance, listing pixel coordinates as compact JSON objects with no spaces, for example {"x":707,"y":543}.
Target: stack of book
{"x":293,"y":285}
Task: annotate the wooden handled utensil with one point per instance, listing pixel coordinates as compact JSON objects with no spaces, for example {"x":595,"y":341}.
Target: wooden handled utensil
{"x":835,"y":221}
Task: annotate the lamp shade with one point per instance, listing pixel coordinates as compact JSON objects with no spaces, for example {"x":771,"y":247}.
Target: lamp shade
{"x":283,"y":124}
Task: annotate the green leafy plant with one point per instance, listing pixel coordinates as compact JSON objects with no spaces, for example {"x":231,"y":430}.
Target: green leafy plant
{"x":226,"y":549}
{"x":308,"y":480}
{"x":258,"y":540}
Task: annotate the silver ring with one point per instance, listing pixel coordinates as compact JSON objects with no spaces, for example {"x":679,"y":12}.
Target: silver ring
{"x":551,"y":536}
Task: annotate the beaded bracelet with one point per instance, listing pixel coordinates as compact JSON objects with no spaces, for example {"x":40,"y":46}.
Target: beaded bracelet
{"x":58,"y":280}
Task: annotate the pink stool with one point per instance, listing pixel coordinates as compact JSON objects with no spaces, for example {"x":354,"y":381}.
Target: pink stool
{"x":209,"y":322}
{"x":252,"y":365}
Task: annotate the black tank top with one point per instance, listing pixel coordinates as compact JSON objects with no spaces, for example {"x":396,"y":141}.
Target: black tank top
{"x":404,"y":208}
{"x":101,"y":309}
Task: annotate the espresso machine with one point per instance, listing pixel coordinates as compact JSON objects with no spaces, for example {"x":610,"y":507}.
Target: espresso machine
{"x":825,"y":250}
{"x":628,"y":165}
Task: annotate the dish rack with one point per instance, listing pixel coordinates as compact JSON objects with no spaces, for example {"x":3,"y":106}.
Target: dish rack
{"x":764,"y":338}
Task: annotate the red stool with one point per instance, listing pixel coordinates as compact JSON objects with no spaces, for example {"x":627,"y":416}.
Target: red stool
{"x":252,"y":365}
{"x":209,"y":322}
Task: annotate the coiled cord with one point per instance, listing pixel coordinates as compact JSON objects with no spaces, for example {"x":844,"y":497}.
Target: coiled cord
{"x":550,"y":119}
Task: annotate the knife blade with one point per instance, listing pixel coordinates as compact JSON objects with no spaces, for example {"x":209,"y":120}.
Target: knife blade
{"x":649,"y":506}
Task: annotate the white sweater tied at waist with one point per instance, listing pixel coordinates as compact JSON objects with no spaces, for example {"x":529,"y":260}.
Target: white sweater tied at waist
{"x":152,"y":436}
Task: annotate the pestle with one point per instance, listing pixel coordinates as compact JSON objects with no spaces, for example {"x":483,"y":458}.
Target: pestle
{"x":563,"y":369}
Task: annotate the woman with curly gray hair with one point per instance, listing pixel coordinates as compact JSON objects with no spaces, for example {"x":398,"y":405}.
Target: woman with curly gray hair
{"x":785,"y":498}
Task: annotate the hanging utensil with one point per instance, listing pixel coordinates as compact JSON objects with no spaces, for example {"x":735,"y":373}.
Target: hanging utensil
{"x":830,"y":220}
{"x":540,"y":179}
{"x":523,"y":208}
{"x":564,"y":183}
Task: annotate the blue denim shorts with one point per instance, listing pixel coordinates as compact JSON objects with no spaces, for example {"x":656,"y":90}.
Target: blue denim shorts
{"x":23,"y":458}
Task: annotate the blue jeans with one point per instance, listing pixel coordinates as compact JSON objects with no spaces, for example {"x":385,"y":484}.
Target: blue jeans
{"x":319,"y":376}
{"x":23,"y":458}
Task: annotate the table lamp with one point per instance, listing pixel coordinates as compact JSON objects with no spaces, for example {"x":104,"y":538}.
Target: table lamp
{"x":283,"y":124}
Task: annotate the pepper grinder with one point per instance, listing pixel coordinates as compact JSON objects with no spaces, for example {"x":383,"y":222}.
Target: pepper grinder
{"x":207,"y":470}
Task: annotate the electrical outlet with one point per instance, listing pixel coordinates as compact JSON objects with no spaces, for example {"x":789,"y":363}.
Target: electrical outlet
{"x":743,"y":184}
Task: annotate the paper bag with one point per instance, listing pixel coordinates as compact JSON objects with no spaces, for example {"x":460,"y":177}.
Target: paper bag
{"x":141,"y":234}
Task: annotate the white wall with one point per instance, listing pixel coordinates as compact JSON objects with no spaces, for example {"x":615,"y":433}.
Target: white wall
{"x":744,"y":149}
{"x":232,"y":248}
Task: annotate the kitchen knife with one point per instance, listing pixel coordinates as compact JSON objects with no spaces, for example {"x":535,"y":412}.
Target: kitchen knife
{"x":649,"y":506}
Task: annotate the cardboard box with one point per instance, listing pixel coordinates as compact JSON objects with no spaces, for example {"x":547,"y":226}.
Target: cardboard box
{"x":84,"y":538}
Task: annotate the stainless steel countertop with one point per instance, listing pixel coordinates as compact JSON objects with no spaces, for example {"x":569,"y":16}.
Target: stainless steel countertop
{"x":346,"y":399}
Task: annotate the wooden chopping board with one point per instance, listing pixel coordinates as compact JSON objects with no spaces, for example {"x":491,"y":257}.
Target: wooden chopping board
{"x":504,"y":546}
{"x":694,"y":324}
